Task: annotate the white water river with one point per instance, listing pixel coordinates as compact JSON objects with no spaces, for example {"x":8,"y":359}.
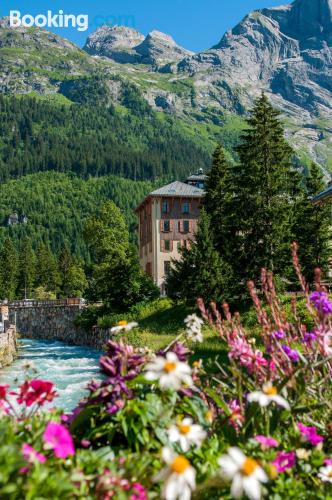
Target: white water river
{"x":70,"y":368}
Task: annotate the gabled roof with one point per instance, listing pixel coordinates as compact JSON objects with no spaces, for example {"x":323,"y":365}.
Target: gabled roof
{"x":178,"y":188}
{"x":323,"y":195}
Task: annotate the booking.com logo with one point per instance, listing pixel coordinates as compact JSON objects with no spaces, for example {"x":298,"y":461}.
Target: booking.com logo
{"x":63,"y":20}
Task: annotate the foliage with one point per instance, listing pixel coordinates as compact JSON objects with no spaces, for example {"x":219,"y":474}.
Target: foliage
{"x":201,"y":272}
{"x":92,"y":139}
{"x":261,"y":422}
{"x":116,"y":277}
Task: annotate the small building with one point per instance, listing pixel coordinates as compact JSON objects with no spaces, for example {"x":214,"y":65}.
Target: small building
{"x":325,"y":196}
{"x":13,"y":219}
{"x":167,"y":222}
{"x":198,"y":179}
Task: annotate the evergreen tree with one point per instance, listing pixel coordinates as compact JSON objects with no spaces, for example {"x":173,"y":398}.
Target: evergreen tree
{"x":9,"y":268}
{"x":261,"y":206}
{"x":217,"y":199}
{"x":201,"y":271}
{"x":27,"y":269}
{"x":73,"y":279}
{"x":47,"y":275}
{"x":312,"y":226}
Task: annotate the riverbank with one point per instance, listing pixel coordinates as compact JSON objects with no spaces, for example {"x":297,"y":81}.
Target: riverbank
{"x":8,"y":346}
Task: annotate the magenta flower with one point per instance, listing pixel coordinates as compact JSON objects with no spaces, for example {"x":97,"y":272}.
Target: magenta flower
{"x":267,"y":442}
{"x":59,"y":439}
{"x":310,"y":434}
{"x":321,"y":302}
{"x":328,"y":461}
{"x":3,"y":391}
{"x":284,"y":460}
{"x":31,"y":455}
{"x":309,"y":337}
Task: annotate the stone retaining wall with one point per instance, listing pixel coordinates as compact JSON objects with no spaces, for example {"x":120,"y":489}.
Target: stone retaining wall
{"x":8,"y":346}
{"x":56,"y":323}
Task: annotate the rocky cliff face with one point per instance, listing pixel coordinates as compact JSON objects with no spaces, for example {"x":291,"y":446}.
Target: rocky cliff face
{"x":126,"y":45}
{"x":285,"y":51}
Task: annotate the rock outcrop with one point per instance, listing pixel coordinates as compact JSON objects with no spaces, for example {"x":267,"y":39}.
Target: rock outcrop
{"x":8,"y":346}
{"x":126,"y":45}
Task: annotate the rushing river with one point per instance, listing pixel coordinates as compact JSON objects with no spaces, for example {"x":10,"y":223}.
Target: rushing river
{"x":70,"y":368}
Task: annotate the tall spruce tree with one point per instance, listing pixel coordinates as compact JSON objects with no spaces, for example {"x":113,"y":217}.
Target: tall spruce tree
{"x":264,"y":184}
{"x":8,"y":270}
{"x":312,"y":226}
{"x":218,"y":196}
{"x":27,"y":269}
{"x":201,"y":272}
{"x":47,"y":275}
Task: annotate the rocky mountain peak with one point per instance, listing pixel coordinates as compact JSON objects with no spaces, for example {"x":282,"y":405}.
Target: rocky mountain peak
{"x":114,"y":42}
{"x":312,"y":16}
{"x":159,"y":48}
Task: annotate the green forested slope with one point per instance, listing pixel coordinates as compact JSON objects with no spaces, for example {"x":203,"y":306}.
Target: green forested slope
{"x":58,"y":204}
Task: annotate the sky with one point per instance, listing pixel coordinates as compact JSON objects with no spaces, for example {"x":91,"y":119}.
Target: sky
{"x":194,"y":24}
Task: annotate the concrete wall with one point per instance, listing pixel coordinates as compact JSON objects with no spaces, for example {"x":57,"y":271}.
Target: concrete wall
{"x":8,"y":346}
{"x":56,"y":323}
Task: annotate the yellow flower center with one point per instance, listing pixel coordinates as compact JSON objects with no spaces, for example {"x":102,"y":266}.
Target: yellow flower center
{"x":184,"y":429}
{"x":249,"y":467}
{"x":123,"y":323}
{"x":329,"y":474}
{"x":196,"y":364}
{"x":270,"y":391}
{"x":169,"y":366}
{"x":180,"y":464}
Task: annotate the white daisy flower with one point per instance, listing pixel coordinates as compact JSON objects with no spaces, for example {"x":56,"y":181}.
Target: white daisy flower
{"x":194,"y":328}
{"x":124,"y":325}
{"x":245,"y":473}
{"x":325,"y":474}
{"x":187,"y":434}
{"x":268,"y":395}
{"x":179,"y":476}
{"x":171,"y":373}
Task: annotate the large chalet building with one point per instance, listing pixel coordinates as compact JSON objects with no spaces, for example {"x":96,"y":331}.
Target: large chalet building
{"x":167,"y":222}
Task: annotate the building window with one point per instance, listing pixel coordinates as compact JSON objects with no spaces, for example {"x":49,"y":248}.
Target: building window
{"x":167,"y":226}
{"x":167,"y":266}
{"x":185,"y":207}
{"x":165,"y":207}
{"x":167,"y":245}
{"x":186,"y":226}
{"x":148,"y":269}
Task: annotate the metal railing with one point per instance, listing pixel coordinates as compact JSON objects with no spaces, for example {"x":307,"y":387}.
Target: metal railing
{"x":20,"y":304}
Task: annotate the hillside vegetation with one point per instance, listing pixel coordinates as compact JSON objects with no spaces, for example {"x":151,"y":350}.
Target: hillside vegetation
{"x":58,"y":204}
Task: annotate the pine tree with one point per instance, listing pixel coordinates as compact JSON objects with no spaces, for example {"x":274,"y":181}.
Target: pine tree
{"x":201,"y":272}
{"x":47,"y":275}
{"x":218,"y":195}
{"x":72,"y":275}
{"x":261,"y":205}
{"x":27,"y":269}
{"x":8,"y":270}
{"x":312,"y":226}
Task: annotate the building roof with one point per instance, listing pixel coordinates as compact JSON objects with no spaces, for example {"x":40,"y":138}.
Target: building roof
{"x":178,"y":188}
{"x":197,"y":177}
{"x":324,"y":195}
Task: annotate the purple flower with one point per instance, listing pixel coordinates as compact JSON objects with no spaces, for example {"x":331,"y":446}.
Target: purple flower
{"x":31,"y":455}
{"x":291,"y":353}
{"x":279,"y":335}
{"x":321,"y":302}
{"x":309,"y":337}
{"x":310,"y":434}
{"x":284,"y":460}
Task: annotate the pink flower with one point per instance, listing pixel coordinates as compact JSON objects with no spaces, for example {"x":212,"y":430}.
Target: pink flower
{"x":267,"y":442}
{"x":31,"y":455}
{"x":59,"y":439}
{"x":3,"y":391}
{"x":36,"y":392}
{"x":328,"y":461}
{"x":284,"y":460}
{"x":310,"y":434}
{"x":139,"y":492}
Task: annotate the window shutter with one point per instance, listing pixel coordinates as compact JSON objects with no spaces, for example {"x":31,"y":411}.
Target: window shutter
{"x":161,"y":225}
{"x":191,"y":225}
{"x":180,"y":226}
{"x":171,"y":246}
{"x":171,"y":225}
{"x":162,"y":245}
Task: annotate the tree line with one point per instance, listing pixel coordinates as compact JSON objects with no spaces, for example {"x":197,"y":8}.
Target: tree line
{"x":251,"y":212}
